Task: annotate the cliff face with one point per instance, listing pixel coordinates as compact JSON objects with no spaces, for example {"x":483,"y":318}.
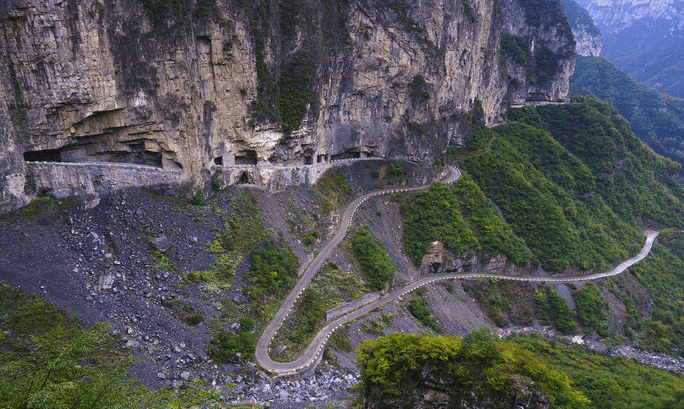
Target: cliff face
{"x":587,"y":35}
{"x":270,"y":91}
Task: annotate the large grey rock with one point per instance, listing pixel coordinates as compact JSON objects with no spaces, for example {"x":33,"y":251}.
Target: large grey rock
{"x":162,"y":243}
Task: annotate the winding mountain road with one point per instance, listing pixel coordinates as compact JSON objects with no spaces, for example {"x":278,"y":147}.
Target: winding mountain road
{"x":313,"y":353}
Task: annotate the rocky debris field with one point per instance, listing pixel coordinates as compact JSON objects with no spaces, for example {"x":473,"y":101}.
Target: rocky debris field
{"x":104,"y":264}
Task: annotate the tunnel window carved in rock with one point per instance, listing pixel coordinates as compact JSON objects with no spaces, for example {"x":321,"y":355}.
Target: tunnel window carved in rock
{"x":244,"y":179}
{"x":246,"y":158}
{"x":45,"y":155}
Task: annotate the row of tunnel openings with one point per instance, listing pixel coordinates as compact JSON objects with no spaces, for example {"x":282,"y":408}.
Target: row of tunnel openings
{"x":135,"y":154}
{"x":250,"y":158}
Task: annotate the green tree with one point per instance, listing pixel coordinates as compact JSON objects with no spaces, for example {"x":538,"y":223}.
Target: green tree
{"x":63,"y":369}
{"x":590,"y":307}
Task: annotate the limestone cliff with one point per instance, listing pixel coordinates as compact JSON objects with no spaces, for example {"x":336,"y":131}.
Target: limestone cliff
{"x":587,"y":35}
{"x":269,"y":91}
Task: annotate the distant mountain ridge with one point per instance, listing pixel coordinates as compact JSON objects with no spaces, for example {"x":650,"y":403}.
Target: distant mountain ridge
{"x":644,"y":38}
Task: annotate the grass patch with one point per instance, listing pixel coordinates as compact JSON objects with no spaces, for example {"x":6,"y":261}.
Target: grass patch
{"x":374,"y":326}
{"x":420,"y":309}
{"x":183,"y":311}
{"x":40,"y":208}
{"x":334,"y":190}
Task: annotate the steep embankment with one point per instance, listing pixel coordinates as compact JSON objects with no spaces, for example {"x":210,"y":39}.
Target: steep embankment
{"x":187,"y":86}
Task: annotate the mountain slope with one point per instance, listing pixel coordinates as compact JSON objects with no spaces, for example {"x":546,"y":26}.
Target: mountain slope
{"x":655,"y":118}
{"x":645,"y":39}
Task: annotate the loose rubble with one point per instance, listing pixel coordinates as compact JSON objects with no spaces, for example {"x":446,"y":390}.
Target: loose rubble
{"x":661,"y":361}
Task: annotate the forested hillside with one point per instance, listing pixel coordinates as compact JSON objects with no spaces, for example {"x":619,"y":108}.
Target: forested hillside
{"x":400,"y":371}
{"x":655,"y":118}
{"x":572,"y":181}
{"x":575,"y":189}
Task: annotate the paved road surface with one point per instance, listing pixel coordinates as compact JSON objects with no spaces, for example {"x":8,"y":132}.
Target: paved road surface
{"x":312,"y":354}
{"x":263,"y":344}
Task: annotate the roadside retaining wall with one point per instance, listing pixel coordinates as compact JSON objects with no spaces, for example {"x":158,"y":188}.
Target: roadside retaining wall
{"x":350,"y":306}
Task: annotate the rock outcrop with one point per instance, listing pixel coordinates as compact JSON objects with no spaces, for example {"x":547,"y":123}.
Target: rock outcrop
{"x":588,"y":41}
{"x":268,"y":91}
{"x":616,"y":15}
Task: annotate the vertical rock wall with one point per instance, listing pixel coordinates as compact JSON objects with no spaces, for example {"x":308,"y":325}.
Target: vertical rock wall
{"x":283,"y":82}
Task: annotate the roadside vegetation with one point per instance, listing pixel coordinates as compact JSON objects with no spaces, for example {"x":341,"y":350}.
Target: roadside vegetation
{"x":461,"y":217}
{"x":474,"y":369}
{"x":480,"y":368}
{"x":330,"y":288}
{"x":373,"y":259}
{"x":334,"y":191}
{"x":420,"y":309}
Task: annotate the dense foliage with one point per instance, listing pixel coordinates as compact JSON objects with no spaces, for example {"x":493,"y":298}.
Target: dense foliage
{"x":590,"y":307}
{"x":394,"y":368}
{"x":555,"y":309}
{"x":329,"y":288}
{"x":274,"y":267}
{"x":546,"y":195}
{"x":663,"y":276}
{"x":631,"y":179}
{"x":574,"y":182}
{"x":373,"y":259}
{"x":656,"y":119}
{"x":224,"y":347}
{"x":419,"y":308}
{"x":461,"y":217}
{"x":472,"y":370}
{"x":516,"y":48}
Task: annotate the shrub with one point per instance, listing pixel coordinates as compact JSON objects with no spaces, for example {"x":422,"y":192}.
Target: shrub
{"x":197,"y":199}
{"x":418,"y":307}
{"x":373,"y":259}
{"x":590,"y":308}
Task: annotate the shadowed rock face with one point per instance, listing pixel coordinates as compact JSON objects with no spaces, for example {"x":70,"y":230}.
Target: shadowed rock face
{"x":218,"y":83}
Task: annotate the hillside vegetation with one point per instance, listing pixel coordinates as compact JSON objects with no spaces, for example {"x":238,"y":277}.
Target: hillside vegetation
{"x":655,"y":118}
{"x":480,"y":371}
{"x":575,"y":183}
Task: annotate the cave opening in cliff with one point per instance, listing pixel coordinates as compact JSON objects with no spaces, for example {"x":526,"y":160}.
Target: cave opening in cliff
{"x":322,"y":158}
{"x":140,"y":157}
{"x":244,"y":179}
{"x":247,"y":158}
{"x":346,"y":155}
{"x":45,"y":155}
{"x":308,"y":160}
{"x":218,"y":161}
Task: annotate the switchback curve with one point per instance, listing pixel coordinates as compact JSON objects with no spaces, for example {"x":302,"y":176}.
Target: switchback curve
{"x":311,"y":353}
